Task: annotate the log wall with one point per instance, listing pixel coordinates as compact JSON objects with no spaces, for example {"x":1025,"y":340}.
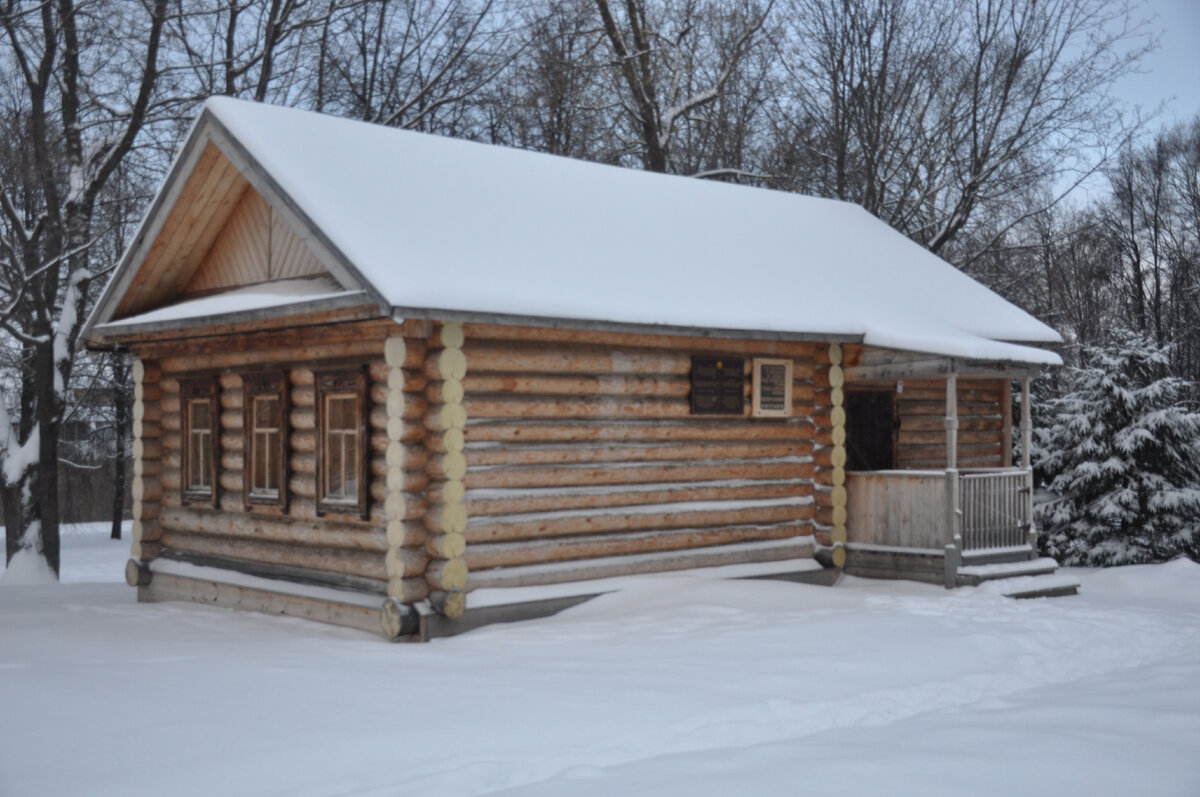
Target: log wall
{"x":331,"y":548}
{"x":580,"y":446}
{"x":982,"y":439}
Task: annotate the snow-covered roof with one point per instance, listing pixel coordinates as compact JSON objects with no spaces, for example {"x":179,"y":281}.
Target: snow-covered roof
{"x":427,"y":223}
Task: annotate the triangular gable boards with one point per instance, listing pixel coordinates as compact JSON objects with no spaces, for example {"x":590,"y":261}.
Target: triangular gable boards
{"x":220,"y":223}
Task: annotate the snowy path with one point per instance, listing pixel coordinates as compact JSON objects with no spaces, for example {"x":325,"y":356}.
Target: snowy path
{"x":675,"y":686}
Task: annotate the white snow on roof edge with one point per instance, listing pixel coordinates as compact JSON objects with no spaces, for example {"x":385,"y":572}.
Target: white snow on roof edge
{"x":433,"y":222}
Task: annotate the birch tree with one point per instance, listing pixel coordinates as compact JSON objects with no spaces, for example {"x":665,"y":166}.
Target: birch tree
{"x":80,"y":84}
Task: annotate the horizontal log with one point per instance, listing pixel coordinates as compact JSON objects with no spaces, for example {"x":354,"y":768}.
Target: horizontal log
{"x":445,"y":364}
{"x":406,"y":533}
{"x":148,"y":449}
{"x":319,"y":532}
{"x":524,"y":501}
{"x":146,"y":510}
{"x":965,"y":437}
{"x":171,"y":479}
{"x":145,"y":371}
{"x":303,"y":442}
{"x":144,"y":530}
{"x":148,"y":411}
{"x":405,"y":562}
{"x":442,"y":417}
{"x":610,"y":452}
{"x":414,"y":409}
{"x":485,"y":355}
{"x":373,"y":331}
{"x":169,"y":384}
{"x":408,"y":590}
{"x":689,"y":343}
{"x":233,"y":441}
{"x":635,"y":521}
{"x":445,"y":546}
{"x":147,"y":431}
{"x":303,"y":396}
{"x":562,"y":476}
{"x":515,"y":431}
{"x":147,"y":467}
{"x":937,"y":423}
{"x":146,"y":551}
{"x":414,"y":481}
{"x":232,"y":460}
{"x":229,"y":380}
{"x":414,"y":361}
{"x":231,"y":400}
{"x":332,"y":352}
{"x":452,"y":604}
{"x":147,"y":489}
{"x":302,"y":464}
{"x":446,"y":574}
{"x":367,"y":564}
{"x":917,"y":407}
{"x":171,"y":441}
{"x":303,"y":419}
{"x":232,"y":419}
{"x":615,"y":407}
{"x":233,"y":481}
{"x":799,"y":547}
{"x":171,"y":422}
{"x":483,"y":557}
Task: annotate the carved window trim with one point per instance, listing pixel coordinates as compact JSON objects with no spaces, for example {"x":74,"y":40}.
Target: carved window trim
{"x":199,"y":479}
{"x":341,"y":385}
{"x":258,"y":387}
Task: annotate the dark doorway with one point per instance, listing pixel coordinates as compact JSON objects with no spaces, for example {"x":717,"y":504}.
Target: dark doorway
{"x":870,"y":429}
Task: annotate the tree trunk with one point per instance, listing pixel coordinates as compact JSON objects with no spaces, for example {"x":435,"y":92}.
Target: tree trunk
{"x":120,"y":379}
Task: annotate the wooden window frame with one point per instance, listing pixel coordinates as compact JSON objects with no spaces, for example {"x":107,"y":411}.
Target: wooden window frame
{"x":341,"y":382}
{"x":201,"y":388}
{"x":256,"y":386}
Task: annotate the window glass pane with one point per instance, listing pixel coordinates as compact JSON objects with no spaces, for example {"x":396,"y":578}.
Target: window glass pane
{"x":342,"y":412}
{"x":334,"y":466}
{"x":262,"y":458}
{"x":201,"y":414}
{"x":266,"y":412}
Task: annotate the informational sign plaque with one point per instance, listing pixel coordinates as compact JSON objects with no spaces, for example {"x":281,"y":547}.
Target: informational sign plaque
{"x":718,"y":385}
{"x":772,"y":388}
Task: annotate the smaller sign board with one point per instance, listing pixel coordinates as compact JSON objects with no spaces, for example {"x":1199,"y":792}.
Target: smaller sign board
{"x":772,"y":388}
{"x":718,"y":385}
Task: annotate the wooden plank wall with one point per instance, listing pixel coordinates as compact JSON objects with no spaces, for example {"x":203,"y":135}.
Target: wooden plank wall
{"x":922,"y":437}
{"x":581,"y":446}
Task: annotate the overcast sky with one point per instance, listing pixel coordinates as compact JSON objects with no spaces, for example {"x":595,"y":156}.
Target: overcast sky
{"x":1172,"y":73}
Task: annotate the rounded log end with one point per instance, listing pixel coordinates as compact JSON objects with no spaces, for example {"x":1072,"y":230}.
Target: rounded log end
{"x":398,"y":619}
{"x":839,"y":556}
{"x":835,"y":354}
{"x":451,"y":604}
{"x":394,"y":351}
{"x":137,"y":574}
{"x":451,"y":335}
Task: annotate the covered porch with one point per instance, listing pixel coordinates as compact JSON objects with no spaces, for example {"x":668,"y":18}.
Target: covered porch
{"x":961,"y":520}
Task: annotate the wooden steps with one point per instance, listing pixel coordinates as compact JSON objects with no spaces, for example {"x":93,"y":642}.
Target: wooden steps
{"x":1015,"y":573}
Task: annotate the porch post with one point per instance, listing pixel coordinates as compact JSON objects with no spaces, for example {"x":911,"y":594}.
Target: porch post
{"x":1026,"y":462}
{"x":951,"y":422}
{"x":1026,"y":425}
{"x":954,"y":542}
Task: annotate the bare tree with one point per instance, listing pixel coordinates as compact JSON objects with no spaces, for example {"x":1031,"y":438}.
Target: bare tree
{"x":928,"y":113}
{"x":675,"y":60}
{"x":79,"y":90}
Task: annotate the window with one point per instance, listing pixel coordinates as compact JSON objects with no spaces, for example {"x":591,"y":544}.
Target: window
{"x":198,"y":405}
{"x":265,"y":447}
{"x":341,"y":441}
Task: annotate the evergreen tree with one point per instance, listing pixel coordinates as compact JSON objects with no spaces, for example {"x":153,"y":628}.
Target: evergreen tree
{"x":1122,"y":457}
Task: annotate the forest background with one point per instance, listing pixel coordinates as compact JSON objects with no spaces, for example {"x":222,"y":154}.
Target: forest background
{"x":968,"y":126}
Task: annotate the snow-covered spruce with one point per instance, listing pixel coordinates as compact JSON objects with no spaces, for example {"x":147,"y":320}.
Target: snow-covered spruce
{"x":1122,"y":458}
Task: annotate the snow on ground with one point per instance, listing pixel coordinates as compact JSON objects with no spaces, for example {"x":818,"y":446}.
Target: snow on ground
{"x":674,"y":686}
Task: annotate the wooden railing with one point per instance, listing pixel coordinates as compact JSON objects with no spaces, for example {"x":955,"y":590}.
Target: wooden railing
{"x":930,"y":509}
{"x":994,"y":507}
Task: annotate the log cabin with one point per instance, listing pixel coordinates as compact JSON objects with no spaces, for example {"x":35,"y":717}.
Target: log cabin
{"x":408,"y":383}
